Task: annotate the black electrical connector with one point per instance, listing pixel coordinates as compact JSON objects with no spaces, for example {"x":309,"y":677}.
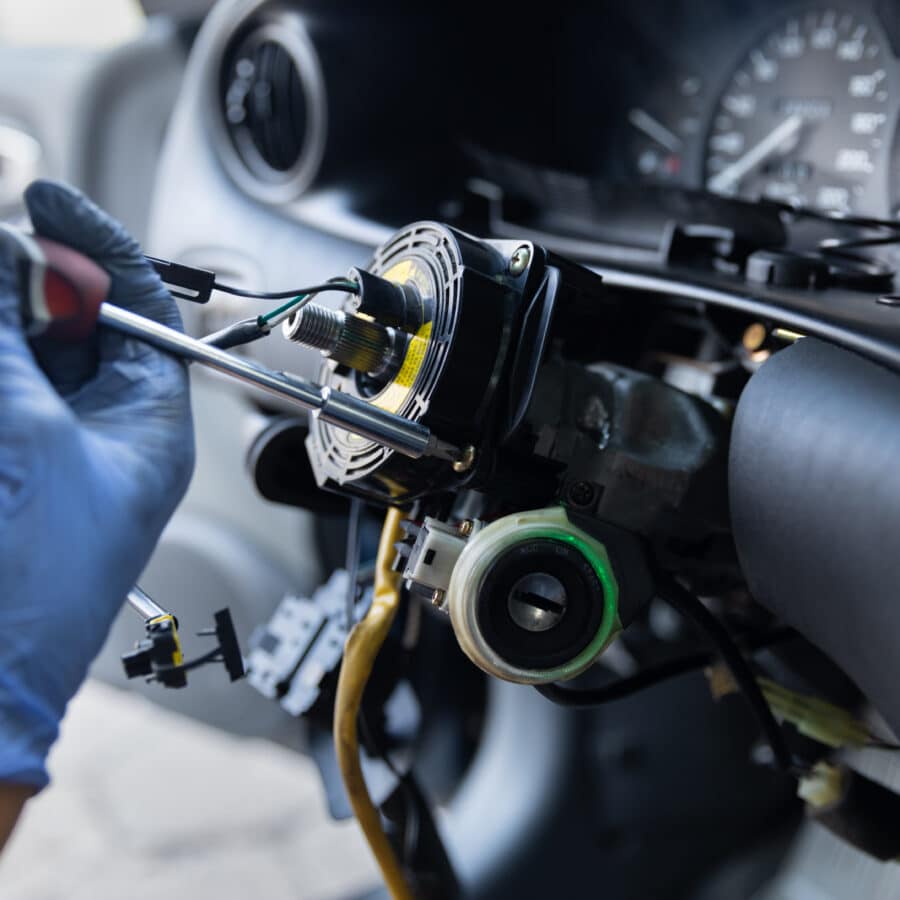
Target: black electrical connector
{"x":197,"y":285}
{"x":157,"y":657}
{"x":185,"y":282}
{"x":152,"y":658}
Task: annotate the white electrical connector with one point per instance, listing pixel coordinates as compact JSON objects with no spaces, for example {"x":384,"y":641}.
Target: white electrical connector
{"x":432,"y":559}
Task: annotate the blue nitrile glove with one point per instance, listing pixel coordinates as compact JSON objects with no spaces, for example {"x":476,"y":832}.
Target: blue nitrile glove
{"x":94,"y":457}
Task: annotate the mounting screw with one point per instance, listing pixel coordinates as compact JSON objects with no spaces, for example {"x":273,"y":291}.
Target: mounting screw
{"x":518,"y":262}
{"x":466,"y":527}
{"x":437,"y":597}
{"x":467,"y":457}
{"x":581,"y":493}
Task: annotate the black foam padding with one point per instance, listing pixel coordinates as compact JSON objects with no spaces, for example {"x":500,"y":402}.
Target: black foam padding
{"x":814,"y":482}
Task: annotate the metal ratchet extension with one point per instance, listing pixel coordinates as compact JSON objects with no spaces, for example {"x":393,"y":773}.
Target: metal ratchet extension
{"x":342,"y":410}
{"x":68,"y":305}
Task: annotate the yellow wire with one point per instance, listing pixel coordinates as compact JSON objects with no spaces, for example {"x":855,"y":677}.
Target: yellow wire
{"x":363,"y":644}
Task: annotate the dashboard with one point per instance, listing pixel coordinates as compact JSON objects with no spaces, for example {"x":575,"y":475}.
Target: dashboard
{"x":365,"y":119}
{"x":306,"y":134}
{"x":794,"y":103}
{"x":302,"y":126}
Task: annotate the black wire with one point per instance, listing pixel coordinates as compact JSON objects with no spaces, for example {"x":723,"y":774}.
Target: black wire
{"x":210,"y":657}
{"x":352,"y":559}
{"x":335,"y":284}
{"x":236,"y":335}
{"x":368,"y":737}
{"x":587,"y":698}
{"x":409,"y":839}
{"x":412,"y":825}
{"x":248,"y":330}
{"x":684,"y":602}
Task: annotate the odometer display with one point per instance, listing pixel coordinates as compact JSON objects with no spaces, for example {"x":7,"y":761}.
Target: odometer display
{"x":804,"y":116}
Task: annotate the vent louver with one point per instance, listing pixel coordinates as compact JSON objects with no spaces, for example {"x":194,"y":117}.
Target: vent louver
{"x":272,"y":108}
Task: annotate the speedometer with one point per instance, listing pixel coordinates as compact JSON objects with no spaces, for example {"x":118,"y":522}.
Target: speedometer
{"x":804,"y":116}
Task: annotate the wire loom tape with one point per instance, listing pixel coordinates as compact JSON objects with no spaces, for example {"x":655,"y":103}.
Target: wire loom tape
{"x":360,"y":651}
{"x":814,"y":482}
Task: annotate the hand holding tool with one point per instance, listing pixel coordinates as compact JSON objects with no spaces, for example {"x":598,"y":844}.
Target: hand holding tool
{"x":91,"y":469}
{"x":63,"y":296}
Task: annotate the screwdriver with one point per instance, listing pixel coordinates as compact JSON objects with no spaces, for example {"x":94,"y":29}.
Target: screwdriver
{"x":63,"y":296}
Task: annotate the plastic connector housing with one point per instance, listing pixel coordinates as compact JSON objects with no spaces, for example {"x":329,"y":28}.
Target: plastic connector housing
{"x":434,"y":555}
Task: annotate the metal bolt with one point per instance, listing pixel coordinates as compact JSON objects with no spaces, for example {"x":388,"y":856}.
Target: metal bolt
{"x":581,"y":493}
{"x":518,"y":262}
{"x":467,"y":457}
{"x":537,"y":601}
{"x":466,"y":527}
{"x":437,"y":597}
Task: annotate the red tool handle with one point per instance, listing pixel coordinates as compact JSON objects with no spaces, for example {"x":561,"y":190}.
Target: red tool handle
{"x":61,"y":289}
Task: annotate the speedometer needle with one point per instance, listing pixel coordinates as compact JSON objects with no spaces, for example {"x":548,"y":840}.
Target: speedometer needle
{"x":769,"y":144}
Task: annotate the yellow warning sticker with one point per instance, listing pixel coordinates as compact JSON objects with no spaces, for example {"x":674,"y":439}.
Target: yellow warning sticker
{"x":394,"y":395}
{"x":402,"y":271}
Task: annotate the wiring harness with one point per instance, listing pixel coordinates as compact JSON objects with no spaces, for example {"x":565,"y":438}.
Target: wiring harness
{"x":252,"y":329}
{"x":360,"y":652}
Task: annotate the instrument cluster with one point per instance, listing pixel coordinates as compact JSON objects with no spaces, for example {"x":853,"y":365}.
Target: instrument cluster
{"x":797,"y":105}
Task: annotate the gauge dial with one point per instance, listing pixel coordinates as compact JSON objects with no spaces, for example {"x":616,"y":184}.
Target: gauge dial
{"x":662,"y":128}
{"x":803,"y":118}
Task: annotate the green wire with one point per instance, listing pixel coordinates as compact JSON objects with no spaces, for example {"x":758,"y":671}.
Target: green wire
{"x":302,"y":298}
{"x":284,"y":307}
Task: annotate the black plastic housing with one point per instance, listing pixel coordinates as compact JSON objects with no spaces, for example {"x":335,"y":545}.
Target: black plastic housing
{"x":463,"y":352}
{"x":815,"y":505}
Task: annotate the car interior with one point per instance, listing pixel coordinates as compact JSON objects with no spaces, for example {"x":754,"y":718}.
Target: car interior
{"x":593,"y":401}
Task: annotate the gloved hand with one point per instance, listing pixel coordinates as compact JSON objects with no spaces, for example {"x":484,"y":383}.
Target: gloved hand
{"x":96,"y":451}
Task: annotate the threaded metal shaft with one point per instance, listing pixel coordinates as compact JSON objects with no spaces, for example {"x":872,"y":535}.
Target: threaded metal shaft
{"x":316,"y":326}
{"x":355,"y":341}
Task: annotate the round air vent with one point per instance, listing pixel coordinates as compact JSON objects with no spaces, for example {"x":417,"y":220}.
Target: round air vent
{"x":272,"y":108}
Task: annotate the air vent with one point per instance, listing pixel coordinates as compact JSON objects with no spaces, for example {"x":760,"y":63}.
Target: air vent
{"x":272,"y":109}
{"x":265,"y":104}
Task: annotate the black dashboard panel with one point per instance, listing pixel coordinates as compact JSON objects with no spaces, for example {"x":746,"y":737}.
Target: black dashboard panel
{"x":408,"y":116}
{"x":403,"y":110}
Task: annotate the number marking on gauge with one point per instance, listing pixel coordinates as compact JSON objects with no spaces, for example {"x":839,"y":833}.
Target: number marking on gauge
{"x":802,"y":117}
